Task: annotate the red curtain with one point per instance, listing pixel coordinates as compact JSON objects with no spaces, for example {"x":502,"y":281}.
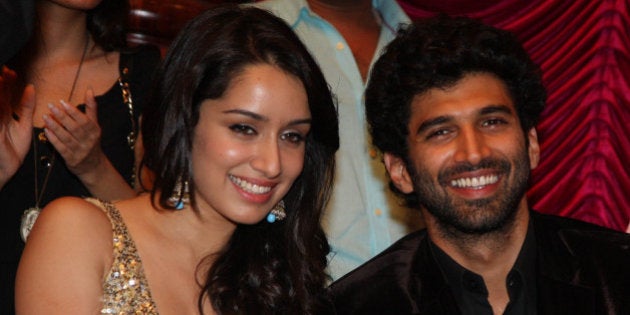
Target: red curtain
{"x":583,"y":47}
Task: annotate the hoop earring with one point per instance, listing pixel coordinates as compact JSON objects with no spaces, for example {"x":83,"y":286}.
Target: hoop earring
{"x":180,"y":196}
{"x":277,"y":213}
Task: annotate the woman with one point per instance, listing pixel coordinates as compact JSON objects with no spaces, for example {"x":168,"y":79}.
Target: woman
{"x":77,"y":54}
{"x":241,"y":127}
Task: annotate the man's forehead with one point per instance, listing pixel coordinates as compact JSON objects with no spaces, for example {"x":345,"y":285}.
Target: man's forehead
{"x":477,"y":92}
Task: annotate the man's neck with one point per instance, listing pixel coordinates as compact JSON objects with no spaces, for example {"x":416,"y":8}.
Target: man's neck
{"x":478,"y":252}
{"x":492,"y":255}
{"x":356,"y":21}
{"x":331,"y":9}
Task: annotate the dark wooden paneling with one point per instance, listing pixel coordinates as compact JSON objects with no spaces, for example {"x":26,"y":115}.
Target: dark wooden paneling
{"x":158,"y":21}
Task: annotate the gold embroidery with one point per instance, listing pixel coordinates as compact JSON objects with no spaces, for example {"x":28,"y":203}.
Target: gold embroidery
{"x":125,"y":287}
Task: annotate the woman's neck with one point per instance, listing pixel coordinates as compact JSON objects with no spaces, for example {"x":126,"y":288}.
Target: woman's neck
{"x":62,"y":31}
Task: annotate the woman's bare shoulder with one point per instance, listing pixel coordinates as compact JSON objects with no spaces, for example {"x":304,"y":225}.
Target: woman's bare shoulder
{"x":75,"y":214}
{"x":66,"y":256}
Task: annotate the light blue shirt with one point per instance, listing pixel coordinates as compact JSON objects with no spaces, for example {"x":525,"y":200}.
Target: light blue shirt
{"x":363,"y":217}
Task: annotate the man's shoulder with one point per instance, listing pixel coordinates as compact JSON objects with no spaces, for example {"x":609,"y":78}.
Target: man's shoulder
{"x":582,"y":243}
{"x":287,"y":10}
{"x":570,"y":228}
{"x":382,"y":278}
{"x":584,"y":256}
{"x":403,"y":279}
{"x":398,"y":254}
{"x":579,"y":236}
{"x":267,"y":4}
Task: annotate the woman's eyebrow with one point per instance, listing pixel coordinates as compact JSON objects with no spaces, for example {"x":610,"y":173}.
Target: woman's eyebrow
{"x":264,"y":118}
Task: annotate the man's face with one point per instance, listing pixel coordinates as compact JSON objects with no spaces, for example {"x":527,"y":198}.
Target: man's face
{"x":469,"y":161}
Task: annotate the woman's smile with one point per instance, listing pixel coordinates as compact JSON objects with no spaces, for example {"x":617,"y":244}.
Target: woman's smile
{"x":258,"y":192}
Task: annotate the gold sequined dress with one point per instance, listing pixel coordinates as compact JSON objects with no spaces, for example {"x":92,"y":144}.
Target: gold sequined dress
{"x":125,"y":287}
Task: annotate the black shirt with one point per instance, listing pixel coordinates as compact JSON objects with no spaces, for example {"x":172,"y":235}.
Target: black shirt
{"x":469,"y":288}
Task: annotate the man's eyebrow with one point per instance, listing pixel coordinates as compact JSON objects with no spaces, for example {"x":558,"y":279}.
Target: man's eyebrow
{"x":491,"y":109}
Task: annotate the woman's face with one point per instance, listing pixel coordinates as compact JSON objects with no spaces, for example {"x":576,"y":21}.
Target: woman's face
{"x":249,"y":145}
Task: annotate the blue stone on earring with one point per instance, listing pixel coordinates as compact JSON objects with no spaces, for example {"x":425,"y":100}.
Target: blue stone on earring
{"x":277,"y":213}
{"x":180,"y":196}
{"x":179,"y":205}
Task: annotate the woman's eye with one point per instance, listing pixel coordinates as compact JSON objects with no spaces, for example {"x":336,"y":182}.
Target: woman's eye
{"x":292,"y":137}
{"x":243,"y":129}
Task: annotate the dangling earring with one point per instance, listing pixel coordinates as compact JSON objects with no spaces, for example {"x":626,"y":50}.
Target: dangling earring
{"x":179,"y":197}
{"x":277,"y":213}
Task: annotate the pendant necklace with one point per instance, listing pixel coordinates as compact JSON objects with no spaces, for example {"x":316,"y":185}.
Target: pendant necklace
{"x":30,"y":215}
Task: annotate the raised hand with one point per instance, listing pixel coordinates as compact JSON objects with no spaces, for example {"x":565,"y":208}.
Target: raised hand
{"x":16,"y":128}
{"x":76,"y":135}
{"x":77,"y":138}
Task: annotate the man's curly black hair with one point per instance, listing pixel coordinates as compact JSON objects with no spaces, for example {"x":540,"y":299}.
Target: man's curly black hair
{"x":437,"y":52}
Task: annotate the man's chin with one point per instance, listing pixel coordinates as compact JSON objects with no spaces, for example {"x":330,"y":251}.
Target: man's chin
{"x":477,"y":221}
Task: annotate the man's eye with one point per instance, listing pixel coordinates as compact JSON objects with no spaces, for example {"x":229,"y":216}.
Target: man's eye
{"x":243,"y":129}
{"x":437,"y":133}
{"x":493,"y":122}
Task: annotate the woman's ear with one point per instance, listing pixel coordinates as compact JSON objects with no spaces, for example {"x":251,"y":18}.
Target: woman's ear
{"x":398,"y":173}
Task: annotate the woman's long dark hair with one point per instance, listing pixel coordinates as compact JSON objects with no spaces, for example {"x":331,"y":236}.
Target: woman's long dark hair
{"x":265,"y":268}
{"x":107,"y":24}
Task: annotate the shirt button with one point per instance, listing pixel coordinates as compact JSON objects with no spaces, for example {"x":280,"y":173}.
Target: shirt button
{"x":378,"y":212}
{"x":340,"y":46}
{"x":372,"y":153}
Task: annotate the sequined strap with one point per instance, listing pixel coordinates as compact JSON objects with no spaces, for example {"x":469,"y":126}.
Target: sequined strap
{"x":125,"y":287}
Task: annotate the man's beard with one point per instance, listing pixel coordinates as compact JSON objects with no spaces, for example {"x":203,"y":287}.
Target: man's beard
{"x":459,"y":217}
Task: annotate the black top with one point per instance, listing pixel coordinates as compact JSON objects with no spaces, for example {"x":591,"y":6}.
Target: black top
{"x":113,"y":116}
{"x":469,"y":288}
{"x":580,"y":268}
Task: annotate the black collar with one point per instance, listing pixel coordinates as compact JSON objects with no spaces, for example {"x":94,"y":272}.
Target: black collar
{"x":470,"y":291}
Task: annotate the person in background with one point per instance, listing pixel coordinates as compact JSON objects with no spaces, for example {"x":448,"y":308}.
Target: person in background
{"x":453,"y":104}
{"x":16,"y":26}
{"x":77,"y":54}
{"x":345,"y":37}
{"x":241,"y":137}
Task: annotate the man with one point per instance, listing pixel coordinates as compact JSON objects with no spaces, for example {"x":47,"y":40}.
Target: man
{"x":345,"y":37}
{"x":453,"y":103}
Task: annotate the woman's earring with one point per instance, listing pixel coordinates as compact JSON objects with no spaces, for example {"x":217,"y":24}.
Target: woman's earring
{"x":179,"y":197}
{"x":277,"y":213}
